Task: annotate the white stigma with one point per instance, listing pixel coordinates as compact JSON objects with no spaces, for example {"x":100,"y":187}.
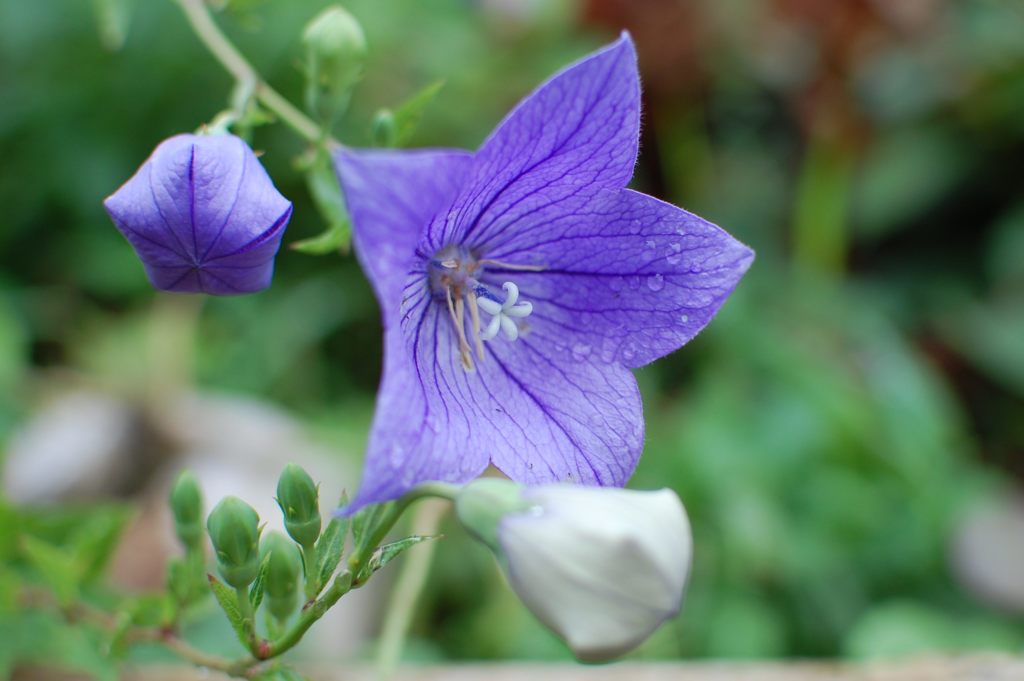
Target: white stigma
{"x":503,"y":315}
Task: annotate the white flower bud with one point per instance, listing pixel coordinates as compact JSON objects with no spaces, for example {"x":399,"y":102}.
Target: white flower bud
{"x":601,"y":567}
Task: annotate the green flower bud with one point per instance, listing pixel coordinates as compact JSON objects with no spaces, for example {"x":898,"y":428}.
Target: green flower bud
{"x":283,"y":570}
{"x":235,"y":532}
{"x":298,"y":498}
{"x":335,"y":52}
{"x":384,"y":128}
{"x":482,"y":504}
{"x":187,"y":506}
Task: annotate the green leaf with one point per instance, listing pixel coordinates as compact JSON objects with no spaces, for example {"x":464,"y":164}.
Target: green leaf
{"x":280,"y":674}
{"x":386,"y":553}
{"x":55,"y":566}
{"x":334,"y":239}
{"x":364,"y":522}
{"x":256,"y":591}
{"x":407,"y":116}
{"x":96,"y":541}
{"x":10,"y":585}
{"x":228,"y":601}
{"x":326,"y":193}
{"x":331,"y":545}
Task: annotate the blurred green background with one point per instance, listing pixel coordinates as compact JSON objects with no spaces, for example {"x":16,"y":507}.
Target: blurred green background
{"x":833,"y":433}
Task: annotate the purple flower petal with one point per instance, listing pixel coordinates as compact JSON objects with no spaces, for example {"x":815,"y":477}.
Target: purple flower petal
{"x":574,"y":136}
{"x":519,"y":286}
{"x":628,"y":279}
{"x":391,"y":197}
{"x":536,"y":412}
{"x":203,"y":216}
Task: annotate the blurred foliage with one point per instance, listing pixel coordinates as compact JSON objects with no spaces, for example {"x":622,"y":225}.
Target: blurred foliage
{"x":827,"y":432}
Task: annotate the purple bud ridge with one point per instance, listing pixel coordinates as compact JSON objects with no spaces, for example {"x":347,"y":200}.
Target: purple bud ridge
{"x":203,"y":216}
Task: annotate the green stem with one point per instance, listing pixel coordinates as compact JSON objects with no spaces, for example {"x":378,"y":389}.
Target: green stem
{"x":246,"y":75}
{"x":342,"y":585}
{"x":362,"y":553}
{"x":312,"y":576}
{"x":408,"y":587}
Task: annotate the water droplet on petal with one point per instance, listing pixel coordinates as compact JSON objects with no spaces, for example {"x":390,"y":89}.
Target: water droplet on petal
{"x":650,"y":243}
{"x":628,"y":352}
{"x":634,"y":227}
{"x":655,"y":282}
{"x":616,"y":283}
{"x":580,"y":351}
{"x":675,"y":254}
{"x":608,"y":351}
{"x":634,"y":282}
{"x":684,"y":318}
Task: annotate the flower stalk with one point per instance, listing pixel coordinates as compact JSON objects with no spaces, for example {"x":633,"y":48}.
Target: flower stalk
{"x":244,"y":73}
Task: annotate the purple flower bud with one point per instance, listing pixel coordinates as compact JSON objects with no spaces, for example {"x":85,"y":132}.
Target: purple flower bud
{"x":203,"y":216}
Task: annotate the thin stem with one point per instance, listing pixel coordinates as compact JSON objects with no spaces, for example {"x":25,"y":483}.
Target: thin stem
{"x":409,"y":586}
{"x":361,"y":554}
{"x":312,"y":576}
{"x":238,"y":66}
{"x":342,"y":585}
{"x":168,"y":639}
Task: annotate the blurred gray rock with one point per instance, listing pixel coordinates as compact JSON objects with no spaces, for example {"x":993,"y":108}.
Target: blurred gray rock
{"x":988,"y":553}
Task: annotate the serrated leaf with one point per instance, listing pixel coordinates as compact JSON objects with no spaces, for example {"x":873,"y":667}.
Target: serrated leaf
{"x":408,"y":115}
{"x":331,"y":545}
{"x":387,"y":552}
{"x":55,"y":566}
{"x":258,"y":586}
{"x":228,"y":601}
{"x":326,"y":194}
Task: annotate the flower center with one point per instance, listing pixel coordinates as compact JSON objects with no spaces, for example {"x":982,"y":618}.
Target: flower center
{"x":455,"y":273}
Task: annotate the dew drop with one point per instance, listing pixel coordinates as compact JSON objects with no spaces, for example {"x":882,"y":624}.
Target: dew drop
{"x":634,"y":282}
{"x":655,"y":282}
{"x":684,"y":318}
{"x":608,"y":351}
{"x":616,"y":283}
{"x":628,"y":352}
{"x":675,"y":254}
{"x":580,"y":351}
{"x":634,"y":227}
{"x":650,"y":243}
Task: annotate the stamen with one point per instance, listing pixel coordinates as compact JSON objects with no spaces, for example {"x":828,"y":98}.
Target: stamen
{"x":457,"y":314}
{"x":464,"y":350}
{"x":511,"y":266}
{"x":474,"y":314}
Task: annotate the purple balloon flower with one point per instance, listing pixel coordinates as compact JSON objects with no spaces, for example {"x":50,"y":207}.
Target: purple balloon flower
{"x":203,"y":216}
{"x":519,"y":286}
